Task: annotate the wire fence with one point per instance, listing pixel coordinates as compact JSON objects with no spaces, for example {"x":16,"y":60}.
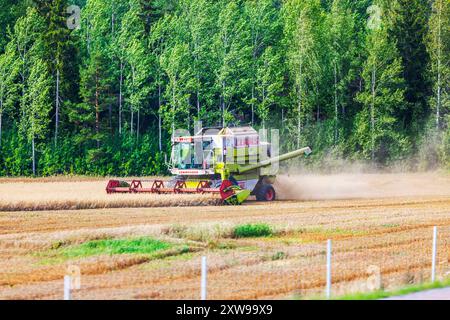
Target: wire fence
{"x":359,"y":263}
{"x":383,"y":262}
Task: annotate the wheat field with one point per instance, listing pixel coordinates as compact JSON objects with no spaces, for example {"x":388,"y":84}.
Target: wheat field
{"x":83,"y":193}
{"x":391,"y":233}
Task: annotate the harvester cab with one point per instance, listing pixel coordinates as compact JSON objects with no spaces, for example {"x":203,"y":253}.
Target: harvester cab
{"x":232,"y":162}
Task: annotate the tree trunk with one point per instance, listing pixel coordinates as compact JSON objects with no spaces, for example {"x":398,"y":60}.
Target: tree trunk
{"x":253,"y":104}
{"x":132,"y":121}
{"x":33,"y":156}
{"x":174,"y":102}
{"x":438,"y":107}
{"x":1,"y":119}
{"x":112,"y":23}
{"x":335,"y":106}
{"x":23,"y":88}
{"x":110,"y":113}
{"x":159,"y":117}
{"x":198,"y":92}
{"x":88,"y":39}
{"x":97,"y":108}
{"x":197,"y":75}
{"x":254,"y":56}
{"x":439,"y":43}
{"x":198,"y":103}
{"x":138,"y":124}
{"x":24,"y":61}
{"x":372,"y":114}
{"x":131,"y":106}
{"x":299,"y":117}
{"x":1,"y":109}
{"x":223,"y":104}
{"x":57,"y":108}
{"x":120,"y":96}
{"x":263,"y":103}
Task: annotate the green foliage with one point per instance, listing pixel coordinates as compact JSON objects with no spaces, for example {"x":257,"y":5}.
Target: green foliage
{"x":438,"y":45}
{"x":11,"y":11}
{"x":252,"y":231}
{"x":15,"y":155}
{"x":304,"y":21}
{"x":116,"y":246}
{"x":409,"y":28}
{"x":378,"y":133}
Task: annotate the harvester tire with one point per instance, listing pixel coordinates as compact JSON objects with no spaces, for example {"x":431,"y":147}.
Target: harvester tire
{"x":265,"y":193}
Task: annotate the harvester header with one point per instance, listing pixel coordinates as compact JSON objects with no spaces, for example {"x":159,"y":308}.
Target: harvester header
{"x":231,"y":162}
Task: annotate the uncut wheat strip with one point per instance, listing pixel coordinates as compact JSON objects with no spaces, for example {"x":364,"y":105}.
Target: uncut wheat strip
{"x":84,"y":204}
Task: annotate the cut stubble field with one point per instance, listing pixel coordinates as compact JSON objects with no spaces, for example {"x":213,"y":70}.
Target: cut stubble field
{"x":384,"y":222}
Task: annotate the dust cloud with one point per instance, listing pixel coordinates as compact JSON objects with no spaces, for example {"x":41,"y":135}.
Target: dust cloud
{"x":361,"y":185}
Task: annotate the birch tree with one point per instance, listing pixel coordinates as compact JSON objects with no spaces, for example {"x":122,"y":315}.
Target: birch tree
{"x":269,"y":83}
{"x":174,"y":62}
{"x":197,"y":29}
{"x":136,"y":85}
{"x":377,"y":130}
{"x":302,"y":56}
{"x":157,"y":46}
{"x":118,"y":53}
{"x":9,"y":90}
{"x":342,"y":30}
{"x":231,"y":51}
{"x":26,"y":31}
{"x":264,"y":25}
{"x":439,"y":49}
{"x":37,"y":106}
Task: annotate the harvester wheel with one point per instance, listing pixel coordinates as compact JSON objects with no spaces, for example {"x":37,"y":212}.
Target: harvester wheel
{"x":265,"y":193}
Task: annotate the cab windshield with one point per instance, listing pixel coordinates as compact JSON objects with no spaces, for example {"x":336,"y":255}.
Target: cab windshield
{"x":183,"y":155}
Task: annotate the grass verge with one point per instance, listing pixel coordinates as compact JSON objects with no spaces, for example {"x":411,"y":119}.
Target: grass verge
{"x":376,"y":295}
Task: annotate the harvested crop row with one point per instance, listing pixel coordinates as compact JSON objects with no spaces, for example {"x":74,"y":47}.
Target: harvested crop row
{"x":81,"y":195}
{"x":402,"y":257}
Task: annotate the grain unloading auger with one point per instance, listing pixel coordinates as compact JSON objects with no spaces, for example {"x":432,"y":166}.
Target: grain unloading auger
{"x":230,"y":162}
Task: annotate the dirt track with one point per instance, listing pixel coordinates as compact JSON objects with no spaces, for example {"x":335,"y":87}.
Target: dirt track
{"x":391,"y":233}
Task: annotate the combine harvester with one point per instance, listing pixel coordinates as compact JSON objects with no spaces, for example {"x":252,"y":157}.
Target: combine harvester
{"x":231,"y":162}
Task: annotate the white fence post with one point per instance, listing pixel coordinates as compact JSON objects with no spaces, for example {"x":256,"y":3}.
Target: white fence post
{"x":67,"y":287}
{"x":328,"y":288}
{"x":203,"y":279}
{"x":433,"y":262}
